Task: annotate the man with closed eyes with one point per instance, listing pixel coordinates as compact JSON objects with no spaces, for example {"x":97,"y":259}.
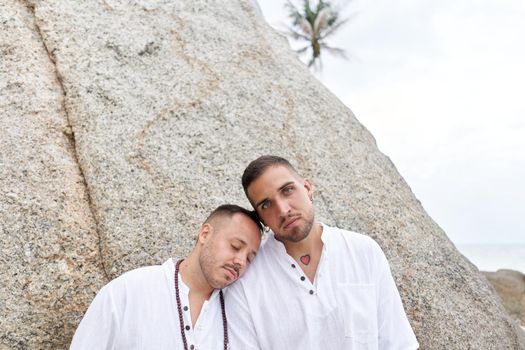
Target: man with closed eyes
{"x":179,"y":304}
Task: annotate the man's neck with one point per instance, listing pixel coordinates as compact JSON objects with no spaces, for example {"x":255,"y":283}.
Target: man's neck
{"x":200,"y":291}
{"x":307,"y":252}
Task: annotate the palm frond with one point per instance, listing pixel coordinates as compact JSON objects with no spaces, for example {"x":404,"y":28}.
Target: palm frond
{"x":335,"y":27}
{"x":335,"y":50}
{"x":295,"y":34}
{"x":306,"y":27}
{"x":322,"y":5}
{"x":322,"y":20}
{"x":293,"y":12}
{"x":308,"y":14}
{"x":311,"y":62}
{"x":301,"y":50}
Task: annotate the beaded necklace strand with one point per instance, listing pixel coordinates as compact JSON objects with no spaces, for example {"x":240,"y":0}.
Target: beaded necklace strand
{"x":181,"y":318}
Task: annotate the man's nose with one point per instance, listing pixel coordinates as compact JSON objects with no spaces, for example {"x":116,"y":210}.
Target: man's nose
{"x":282,"y":207}
{"x":240,"y":261}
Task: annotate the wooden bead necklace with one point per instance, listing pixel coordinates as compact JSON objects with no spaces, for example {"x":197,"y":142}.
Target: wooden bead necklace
{"x":181,"y":318}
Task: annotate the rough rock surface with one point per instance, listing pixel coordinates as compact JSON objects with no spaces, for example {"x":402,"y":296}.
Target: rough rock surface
{"x":510,"y":286}
{"x":134,"y":118}
{"x":49,"y":254}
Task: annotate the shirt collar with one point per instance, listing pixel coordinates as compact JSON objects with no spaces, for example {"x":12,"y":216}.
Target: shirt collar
{"x":324,"y":236}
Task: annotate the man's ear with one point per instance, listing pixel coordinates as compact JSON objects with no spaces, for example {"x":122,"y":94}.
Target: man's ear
{"x":309,"y":188}
{"x":205,"y":232}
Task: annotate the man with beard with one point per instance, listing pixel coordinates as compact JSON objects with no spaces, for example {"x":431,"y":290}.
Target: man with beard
{"x":312,"y":286}
{"x":180,"y":304}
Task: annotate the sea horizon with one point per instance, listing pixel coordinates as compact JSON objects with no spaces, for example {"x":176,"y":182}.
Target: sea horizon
{"x":495,"y":256}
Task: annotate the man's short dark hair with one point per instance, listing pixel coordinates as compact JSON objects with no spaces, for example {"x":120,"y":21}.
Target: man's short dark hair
{"x":257,"y":167}
{"x":229,"y":210}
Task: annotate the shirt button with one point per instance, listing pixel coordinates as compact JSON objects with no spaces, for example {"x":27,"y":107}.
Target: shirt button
{"x":302,"y":278}
{"x":185,"y":308}
{"x":192,"y":346}
{"x":311,"y":291}
{"x":293,"y":266}
{"x":188,"y":327}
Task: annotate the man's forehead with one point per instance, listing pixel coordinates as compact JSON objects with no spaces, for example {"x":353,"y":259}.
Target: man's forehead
{"x":226,"y":219}
{"x":279,"y":173}
{"x":271,"y":180}
{"x":238,"y":221}
{"x":245,"y":231}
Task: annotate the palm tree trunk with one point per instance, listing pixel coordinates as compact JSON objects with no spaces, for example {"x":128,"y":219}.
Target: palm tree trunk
{"x":316,"y":48}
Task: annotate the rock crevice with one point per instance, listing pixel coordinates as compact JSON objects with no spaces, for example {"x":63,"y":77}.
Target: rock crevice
{"x":68,"y":130}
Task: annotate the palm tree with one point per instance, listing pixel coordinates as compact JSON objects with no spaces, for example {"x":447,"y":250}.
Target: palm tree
{"x":314,"y":25}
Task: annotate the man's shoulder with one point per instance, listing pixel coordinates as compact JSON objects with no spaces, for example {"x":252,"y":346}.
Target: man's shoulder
{"x":334,"y":235}
{"x":270,"y":250}
{"x":139,"y":278}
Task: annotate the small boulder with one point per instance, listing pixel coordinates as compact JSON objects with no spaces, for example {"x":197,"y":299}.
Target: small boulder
{"x":510,"y":286}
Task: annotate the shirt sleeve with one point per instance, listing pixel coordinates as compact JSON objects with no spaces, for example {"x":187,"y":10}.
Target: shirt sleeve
{"x":100,"y":325}
{"x":241,"y":330}
{"x":394,"y":330}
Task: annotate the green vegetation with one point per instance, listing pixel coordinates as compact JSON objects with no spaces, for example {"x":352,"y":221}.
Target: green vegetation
{"x":314,"y":23}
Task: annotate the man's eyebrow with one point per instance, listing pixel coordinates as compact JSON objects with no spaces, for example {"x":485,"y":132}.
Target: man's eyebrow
{"x":286,"y":184}
{"x":240,"y":241}
{"x":244,"y":244}
{"x":261,"y":202}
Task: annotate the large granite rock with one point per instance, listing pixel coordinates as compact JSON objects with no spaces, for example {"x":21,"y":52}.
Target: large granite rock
{"x":132,"y":119}
{"x":50,"y":265}
{"x":510,"y":286}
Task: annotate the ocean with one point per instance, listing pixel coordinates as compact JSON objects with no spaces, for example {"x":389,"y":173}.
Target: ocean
{"x":492,"y":257}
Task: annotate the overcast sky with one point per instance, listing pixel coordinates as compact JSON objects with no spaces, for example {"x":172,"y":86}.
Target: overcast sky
{"x":440,"y":84}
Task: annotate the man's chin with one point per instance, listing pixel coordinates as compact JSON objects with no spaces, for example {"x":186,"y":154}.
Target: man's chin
{"x":223,"y":285}
{"x":219,"y":284}
{"x":292,"y":236}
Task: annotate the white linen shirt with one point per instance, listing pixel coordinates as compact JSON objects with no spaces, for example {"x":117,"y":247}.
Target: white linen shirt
{"x":138,"y":310}
{"x":352,"y":304}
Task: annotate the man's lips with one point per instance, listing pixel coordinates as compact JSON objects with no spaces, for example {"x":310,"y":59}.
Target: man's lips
{"x":289,"y":222}
{"x":231,"y":273}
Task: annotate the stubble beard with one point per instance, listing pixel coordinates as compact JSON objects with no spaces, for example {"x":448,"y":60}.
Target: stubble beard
{"x":299,"y":233}
{"x":207,"y":263}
